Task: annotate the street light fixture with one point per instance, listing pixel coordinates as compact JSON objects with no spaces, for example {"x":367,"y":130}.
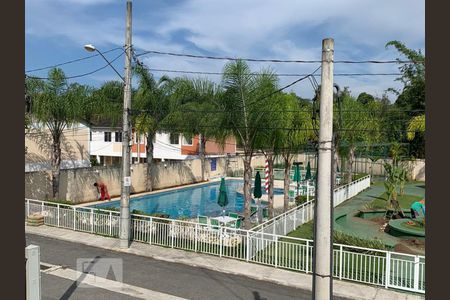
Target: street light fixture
{"x":125,"y":221}
{"x":92,"y":48}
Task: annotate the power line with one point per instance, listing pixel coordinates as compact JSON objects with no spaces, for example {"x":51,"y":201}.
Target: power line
{"x":71,"y":61}
{"x":81,"y":75}
{"x":277,"y":74}
{"x":277,"y":60}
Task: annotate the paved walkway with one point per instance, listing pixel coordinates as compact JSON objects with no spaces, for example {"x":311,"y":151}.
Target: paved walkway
{"x":288,"y":278}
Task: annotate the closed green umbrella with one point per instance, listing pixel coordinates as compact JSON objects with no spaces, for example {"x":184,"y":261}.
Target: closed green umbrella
{"x":308,"y":172}
{"x":223,"y":197}
{"x":297,"y":175}
{"x":257,"y":193}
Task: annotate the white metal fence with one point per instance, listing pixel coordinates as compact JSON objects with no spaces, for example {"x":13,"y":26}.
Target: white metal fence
{"x":371,"y":266}
{"x":290,"y":220}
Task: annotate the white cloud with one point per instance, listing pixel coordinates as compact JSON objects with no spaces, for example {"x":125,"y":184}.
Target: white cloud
{"x":286,"y":29}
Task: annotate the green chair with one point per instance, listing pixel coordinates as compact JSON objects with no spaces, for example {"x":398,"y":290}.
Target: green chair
{"x":214,"y":224}
{"x":203,"y":220}
{"x":237,"y":224}
{"x":265,"y":212}
{"x":233,"y":215}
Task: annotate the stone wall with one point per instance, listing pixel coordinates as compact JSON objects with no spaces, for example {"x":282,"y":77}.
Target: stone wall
{"x":76,"y":185}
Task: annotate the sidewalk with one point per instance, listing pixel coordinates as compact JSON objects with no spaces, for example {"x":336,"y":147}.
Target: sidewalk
{"x":230,"y":266}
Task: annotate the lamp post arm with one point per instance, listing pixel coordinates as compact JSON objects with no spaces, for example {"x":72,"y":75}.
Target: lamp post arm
{"x":121,"y":77}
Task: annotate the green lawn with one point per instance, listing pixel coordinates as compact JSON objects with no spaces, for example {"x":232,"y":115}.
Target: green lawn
{"x":304,"y":231}
{"x":405,"y":201}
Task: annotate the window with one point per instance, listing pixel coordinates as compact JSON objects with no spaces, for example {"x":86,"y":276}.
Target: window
{"x":187,"y":140}
{"x":174,"y":138}
{"x":118,"y":136}
{"x":107,"y":136}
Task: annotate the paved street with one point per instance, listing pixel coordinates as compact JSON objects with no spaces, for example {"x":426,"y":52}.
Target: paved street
{"x":163,"y":277}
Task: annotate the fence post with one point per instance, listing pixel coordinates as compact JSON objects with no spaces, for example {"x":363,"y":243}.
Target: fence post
{"x":416,"y":273}
{"x":91,"y":219}
{"x":276,"y":251}
{"x":341,"y":253}
{"x":57,"y":213}
{"x":151,"y":231}
{"x":195,"y":237}
{"x":110,"y":223}
{"x":247,"y":255}
{"x":285,"y":218}
{"x":307,"y":257}
{"x":303,"y":214}
{"x":295,"y":219}
{"x":307,"y":190}
{"x":220,"y":241}
{"x":28,"y":207}
{"x":74,"y":221}
{"x":42,"y":208}
{"x":387,"y":278}
{"x":172,"y":231}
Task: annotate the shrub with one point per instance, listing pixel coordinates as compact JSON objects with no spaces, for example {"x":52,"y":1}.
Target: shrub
{"x":299,"y":200}
{"x":58,"y":201}
{"x":112,"y":208}
{"x":346,"y":239}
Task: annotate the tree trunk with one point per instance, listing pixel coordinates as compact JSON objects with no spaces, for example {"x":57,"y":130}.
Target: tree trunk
{"x":350,"y":160}
{"x":56,"y":163}
{"x":270,"y":158}
{"x":202,"y":154}
{"x":247,"y":190}
{"x":287,"y":182}
{"x":149,"y":148}
{"x":335,"y":164}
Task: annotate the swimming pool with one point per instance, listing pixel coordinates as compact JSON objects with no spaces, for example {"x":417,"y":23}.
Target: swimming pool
{"x":189,"y":201}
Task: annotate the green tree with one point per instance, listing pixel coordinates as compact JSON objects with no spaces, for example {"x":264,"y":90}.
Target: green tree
{"x":297,"y":121}
{"x":57,"y":105}
{"x":358,"y":125}
{"x":268,"y":140}
{"x":411,"y":98}
{"x":151,"y":102}
{"x":365,"y":98}
{"x":195,"y":111}
{"x":243,"y":105}
{"x":416,"y":125}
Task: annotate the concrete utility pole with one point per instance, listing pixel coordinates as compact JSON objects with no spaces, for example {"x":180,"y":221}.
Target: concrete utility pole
{"x":33,"y":274}
{"x":125,"y":222}
{"x":322,"y":289}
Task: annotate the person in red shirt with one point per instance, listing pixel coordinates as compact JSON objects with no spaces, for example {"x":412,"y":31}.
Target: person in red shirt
{"x":101,"y":187}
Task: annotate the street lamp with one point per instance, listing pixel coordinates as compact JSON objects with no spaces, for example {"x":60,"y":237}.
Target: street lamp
{"x":125,"y":221}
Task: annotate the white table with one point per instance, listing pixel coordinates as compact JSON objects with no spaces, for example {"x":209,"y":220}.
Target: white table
{"x":225,"y":219}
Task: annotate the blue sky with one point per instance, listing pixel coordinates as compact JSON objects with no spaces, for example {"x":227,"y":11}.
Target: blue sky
{"x":56,"y":30}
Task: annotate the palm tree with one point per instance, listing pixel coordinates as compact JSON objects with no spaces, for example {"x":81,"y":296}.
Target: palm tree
{"x":359,"y":124}
{"x":152,"y":106}
{"x":298,"y":120}
{"x":194,"y":111}
{"x":242,"y":103}
{"x":416,"y":124}
{"x":57,"y":105}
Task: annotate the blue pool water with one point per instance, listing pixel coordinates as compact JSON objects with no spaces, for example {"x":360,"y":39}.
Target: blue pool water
{"x":189,"y":201}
